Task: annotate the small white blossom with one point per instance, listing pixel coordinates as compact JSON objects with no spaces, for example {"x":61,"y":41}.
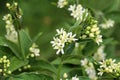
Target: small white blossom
{"x":35,"y":50}
{"x":84,"y":62}
{"x":92,"y":32}
{"x":99,"y":55}
{"x":78,"y":12}
{"x":62,"y":3}
{"x":75,"y":78}
{"x":108,"y":24}
{"x":61,"y":38}
{"x":98,"y":39}
{"x":71,"y":37}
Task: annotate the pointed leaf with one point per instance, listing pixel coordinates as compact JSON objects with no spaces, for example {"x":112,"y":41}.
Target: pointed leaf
{"x":25,"y":42}
{"x":16,"y":63}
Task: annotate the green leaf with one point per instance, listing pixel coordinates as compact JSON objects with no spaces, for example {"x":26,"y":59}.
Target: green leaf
{"x":75,"y":71}
{"x":41,"y":65}
{"x":89,"y":49}
{"x":72,"y":59}
{"x":69,"y":48}
{"x":31,"y":76}
{"x":11,"y":45}
{"x":56,"y":61}
{"x":25,"y":43}
{"x":16,"y":63}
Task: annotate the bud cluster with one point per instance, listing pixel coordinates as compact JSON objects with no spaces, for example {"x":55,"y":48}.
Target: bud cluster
{"x":92,"y":32}
{"x":4,"y":65}
{"x":14,"y":8}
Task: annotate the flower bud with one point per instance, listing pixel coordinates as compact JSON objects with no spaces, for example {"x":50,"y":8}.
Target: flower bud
{"x":8,"y":5}
{"x":65,"y":75}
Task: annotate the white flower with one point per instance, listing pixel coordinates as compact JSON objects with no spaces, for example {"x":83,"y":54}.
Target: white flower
{"x":61,"y":38}
{"x":12,"y":34}
{"x":84,"y":62}
{"x":71,"y":37}
{"x":75,"y":78}
{"x":107,"y":66}
{"x":34,"y":49}
{"x":62,"y":3}
{"x":78,"y":12}
{"x":98,"y":39}
{"x":99,"y":55}
{"x":108,"y":24}
{"x":89,"y":69}
{"x":72,"y":7}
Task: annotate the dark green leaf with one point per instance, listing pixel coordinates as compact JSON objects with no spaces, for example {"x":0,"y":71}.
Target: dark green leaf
{"x":40,"y":65}
{"x":69,"y":48}
{"x":72,"y":59}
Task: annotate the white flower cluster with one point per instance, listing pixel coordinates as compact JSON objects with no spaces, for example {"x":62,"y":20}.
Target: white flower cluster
{"x":92,"y":32}
{"x":65,"y":77}
{"x":4,"y":65}
{"x":12,"y":34}
{"x":35,"y":51}
{"x":78,"y":12}
{"x":89,"y":68}
{"x":99,"y":55}
{"x":62,"y":3}
{"x":62,"y":37}
{"x":109,"y":66}
{"x":108,"y":24}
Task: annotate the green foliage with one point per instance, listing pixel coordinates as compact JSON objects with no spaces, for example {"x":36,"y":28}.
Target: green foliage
{"x":42,"y":19}
{"x":30,"y":76}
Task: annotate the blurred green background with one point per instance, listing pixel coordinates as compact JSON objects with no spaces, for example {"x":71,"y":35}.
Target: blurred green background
{"x":43,"y":16}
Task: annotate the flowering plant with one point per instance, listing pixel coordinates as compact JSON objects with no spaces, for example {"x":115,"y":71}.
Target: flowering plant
{"x":80,"y":47}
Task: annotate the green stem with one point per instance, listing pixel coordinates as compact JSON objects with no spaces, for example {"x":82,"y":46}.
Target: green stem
{"x":59,"y":69}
